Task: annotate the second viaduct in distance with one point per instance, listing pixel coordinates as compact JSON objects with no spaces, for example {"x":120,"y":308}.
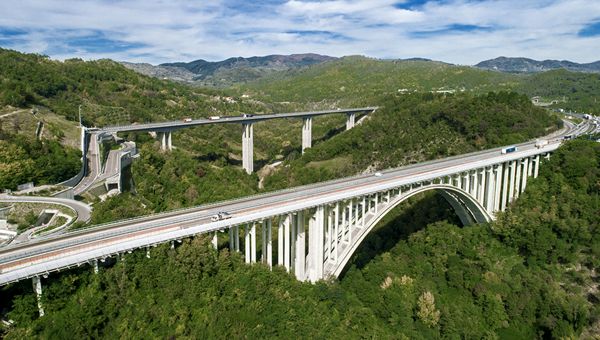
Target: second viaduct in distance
{"x":164,"y":129}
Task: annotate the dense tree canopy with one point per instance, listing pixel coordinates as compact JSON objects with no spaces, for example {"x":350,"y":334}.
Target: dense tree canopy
{"x":523,"y":276}
{"x":41,"y":161}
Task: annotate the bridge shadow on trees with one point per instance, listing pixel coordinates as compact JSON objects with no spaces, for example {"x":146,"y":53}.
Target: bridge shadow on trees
{"x":410,"y":216}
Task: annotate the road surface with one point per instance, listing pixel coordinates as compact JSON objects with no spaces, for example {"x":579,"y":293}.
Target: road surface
{"x":84,"y":211}
{"x":172,"y":125}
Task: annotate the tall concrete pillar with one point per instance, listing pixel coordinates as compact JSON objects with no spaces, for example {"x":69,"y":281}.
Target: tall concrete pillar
{"x":215,"y":240}
{"x":519,"y":165}
{"x":95,"y":264}
{"x":481,"y":185}
{"x":248,"y":147}
{"x":231,"y":240}
{"x":329,"y":235}
{"x":498,"y":172}
{"x":286,"y":242}
{"x":350,"y":218}
{"x":37,"y":288}
{"x":336,"y":230}
{"x":247,"y":249}
{"x":513,"y":181}
{"x":237,"y":238}
{"x":269,"y":248}
{"x":263,"y":243}
{"x":253,"y":243}
{"x":162,"y":137}
{"x":306,"y":133}
{"x":280,"y":236}
{"x":169,"y":141}
{"x":344,"y":218}
{"x":315,"y":247}
{"x":489,"y":190}
{"x":294,"y":235}
{"x":300,"y":265}
{"x":475,"y":184}
{"x":506,"y":171}
{"x":525,"y":173}
{"x":536,"y":169}
{"x":350,"y":117}
{"x":364,"y":211}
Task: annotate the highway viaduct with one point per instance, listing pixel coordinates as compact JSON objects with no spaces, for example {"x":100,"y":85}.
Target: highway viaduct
{"x":164,"y":130}
{"x":316,"y":227}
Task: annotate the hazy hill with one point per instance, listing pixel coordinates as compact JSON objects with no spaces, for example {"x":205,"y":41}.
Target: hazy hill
{"x":354,"y":80}
{"x":525,"y":65}
{"x":229,"y":71}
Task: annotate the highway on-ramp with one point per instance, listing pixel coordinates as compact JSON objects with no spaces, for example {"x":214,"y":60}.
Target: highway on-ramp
{"x":84,"y":211}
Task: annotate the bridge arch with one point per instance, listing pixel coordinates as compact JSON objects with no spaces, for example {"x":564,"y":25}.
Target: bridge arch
{"x":468,"y":209}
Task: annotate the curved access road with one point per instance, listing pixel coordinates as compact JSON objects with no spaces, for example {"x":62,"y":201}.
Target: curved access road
{"x":84,"y":211}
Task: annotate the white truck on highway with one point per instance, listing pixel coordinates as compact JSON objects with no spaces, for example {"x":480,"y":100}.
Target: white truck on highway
{"x":540,"y":143}
{"x":509,"y":149}
{"x":221,"y":215}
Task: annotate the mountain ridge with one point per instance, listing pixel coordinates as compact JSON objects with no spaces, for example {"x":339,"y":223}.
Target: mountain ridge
{"x":228,"y":71}
{"x":526,"y":65}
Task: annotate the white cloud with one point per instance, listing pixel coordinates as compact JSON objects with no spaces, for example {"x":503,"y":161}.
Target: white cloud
{"x":160,"y":31}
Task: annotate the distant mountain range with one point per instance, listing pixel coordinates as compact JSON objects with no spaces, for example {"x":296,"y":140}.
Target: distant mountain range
{"x":240,"y":70}
{"x":229,"y":71}
{"x":525,"y":65}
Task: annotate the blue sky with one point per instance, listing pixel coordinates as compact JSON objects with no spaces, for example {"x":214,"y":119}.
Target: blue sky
{"x":156,"y":31}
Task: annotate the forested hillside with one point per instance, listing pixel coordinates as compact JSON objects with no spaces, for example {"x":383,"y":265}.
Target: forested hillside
{"x":357,"y":80}
{"x":411,"y":128}
{"x":580,"y":91}
{"x":530,"y":274}
{"x":110,"y":94}
{"x":352,"y":80}
{"x":49,"y":158}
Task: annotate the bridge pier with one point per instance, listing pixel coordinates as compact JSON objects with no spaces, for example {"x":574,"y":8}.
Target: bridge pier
{"x":350,"y":117}
{"x":268,"y":243}
{"x":166,"y":143}
{"x":489,"y":190}
{"x":498,"y":186}
{"x":286,"y":242}
{"x":248,"y":147}
{"x":512,"y":181}
{"x":306,"y":133}
{"x":315,"y":245}
{"x":519,"y":165}
{"x":300,"y":248}
{"x":525,"y":173}
{"x":536,"y":169}
{"x":250,"y":243}
{"x":215,"y":240}
{"x":506,"y":169}
{"x":236,"y":235}
{"x":37,"y":288}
